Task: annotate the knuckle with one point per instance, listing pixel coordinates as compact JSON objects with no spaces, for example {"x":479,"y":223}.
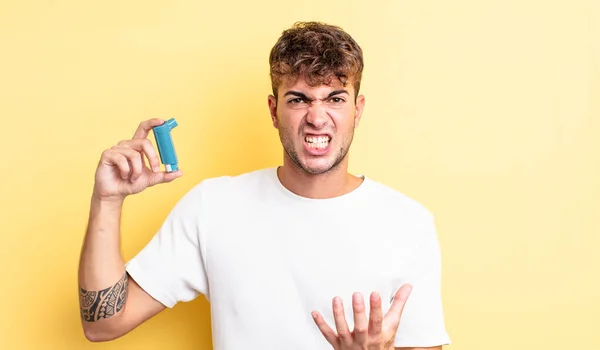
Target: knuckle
{"x":343,"y":333}
{"x":375,"y":344}
{"x":360,"y":329}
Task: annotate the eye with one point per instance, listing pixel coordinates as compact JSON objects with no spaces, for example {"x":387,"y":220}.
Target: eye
{"x":337,"y":100}
{"x":296,"y":100}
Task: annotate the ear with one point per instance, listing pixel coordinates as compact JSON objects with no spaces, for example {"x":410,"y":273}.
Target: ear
{"x":273,"y":110}
{"x":360,"y":105}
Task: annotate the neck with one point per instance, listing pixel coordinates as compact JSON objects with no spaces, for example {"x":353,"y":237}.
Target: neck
{"x":333,"y":183}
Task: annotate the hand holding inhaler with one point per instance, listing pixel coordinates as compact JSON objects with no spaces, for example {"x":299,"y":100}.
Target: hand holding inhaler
{"x":122,"y":169}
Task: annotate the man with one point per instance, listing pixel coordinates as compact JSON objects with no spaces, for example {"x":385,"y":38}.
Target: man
{"x":300,"y":256}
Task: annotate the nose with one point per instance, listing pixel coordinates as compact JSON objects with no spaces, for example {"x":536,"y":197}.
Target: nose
{"x":317,"y":115}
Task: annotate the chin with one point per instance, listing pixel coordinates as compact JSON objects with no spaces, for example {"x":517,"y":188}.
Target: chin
{"x":314,"y":164}
{"x":318,"y":166}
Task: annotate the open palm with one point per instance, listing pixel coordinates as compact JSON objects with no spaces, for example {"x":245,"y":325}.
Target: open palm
{"x":378,"y":333}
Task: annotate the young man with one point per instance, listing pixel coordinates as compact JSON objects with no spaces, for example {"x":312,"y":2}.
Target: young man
{"x":301,"y":256}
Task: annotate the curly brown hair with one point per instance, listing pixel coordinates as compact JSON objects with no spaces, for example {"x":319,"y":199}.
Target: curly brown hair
{"x":318,"y":52}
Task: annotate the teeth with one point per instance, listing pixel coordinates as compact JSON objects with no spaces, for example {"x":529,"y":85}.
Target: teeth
{"x":317,"y":142}
{"x":318,"y":139}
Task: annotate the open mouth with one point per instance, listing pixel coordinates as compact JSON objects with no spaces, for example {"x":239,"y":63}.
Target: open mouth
{"x":318,"y":142}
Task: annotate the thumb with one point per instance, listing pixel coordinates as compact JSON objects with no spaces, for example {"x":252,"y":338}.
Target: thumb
{"x":163,"y":177}
{"x":395,"y":312}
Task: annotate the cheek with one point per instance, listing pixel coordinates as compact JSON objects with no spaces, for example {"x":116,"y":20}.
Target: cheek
{"x":290,"y":122}
{"x":344,"y":121}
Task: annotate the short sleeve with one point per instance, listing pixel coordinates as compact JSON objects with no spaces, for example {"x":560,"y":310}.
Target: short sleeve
{"x":422,"y":323}
{"x":171,"y":266}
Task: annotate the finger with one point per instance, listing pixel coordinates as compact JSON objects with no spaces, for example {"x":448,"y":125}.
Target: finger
{"x":340,"y":322}
{"x":144,"y":146}
{"x":375,"y":316}
{"x":392,"y":318}
{"x":327,"y":332}
{"x":168,"y":177}
{"x":164,"y":177}
{"x":144,"y":128}
{"x":135,"y":161}
{"x":119,"y":160}
{"x":360,"y":319}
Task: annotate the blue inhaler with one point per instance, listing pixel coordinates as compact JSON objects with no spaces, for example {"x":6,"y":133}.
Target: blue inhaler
{"x":166,"y":150}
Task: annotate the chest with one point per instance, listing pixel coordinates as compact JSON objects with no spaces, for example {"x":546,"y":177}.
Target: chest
{"x":269,"y":264}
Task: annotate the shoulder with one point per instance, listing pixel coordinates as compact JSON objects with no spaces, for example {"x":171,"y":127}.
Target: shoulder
{"x":398,"y":202}
{"x":412,"y":223}
{"x":225,"y":186}
{"x":216,"y":195}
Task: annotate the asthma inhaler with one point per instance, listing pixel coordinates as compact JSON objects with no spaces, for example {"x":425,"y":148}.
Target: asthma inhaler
{"x":166,"y":150}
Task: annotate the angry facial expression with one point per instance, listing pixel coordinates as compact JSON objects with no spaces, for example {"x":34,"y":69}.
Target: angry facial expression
{"x":316,"y":123}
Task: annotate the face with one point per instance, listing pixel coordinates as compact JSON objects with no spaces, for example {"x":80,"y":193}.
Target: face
{"x":316,"y":124}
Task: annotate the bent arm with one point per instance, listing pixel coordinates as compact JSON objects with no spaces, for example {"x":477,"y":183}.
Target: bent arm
{"x":111,"y":303}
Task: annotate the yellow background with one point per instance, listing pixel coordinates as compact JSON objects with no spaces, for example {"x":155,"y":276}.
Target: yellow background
{"x":487,"y":112}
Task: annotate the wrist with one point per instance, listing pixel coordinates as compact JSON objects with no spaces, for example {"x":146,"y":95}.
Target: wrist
{"x":107,"y":202}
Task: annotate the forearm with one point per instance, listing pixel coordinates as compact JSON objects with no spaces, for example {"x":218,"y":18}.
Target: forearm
{"x":103,"y":284}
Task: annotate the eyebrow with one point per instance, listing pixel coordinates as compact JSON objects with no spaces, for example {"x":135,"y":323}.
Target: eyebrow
{"x":299,"y":94}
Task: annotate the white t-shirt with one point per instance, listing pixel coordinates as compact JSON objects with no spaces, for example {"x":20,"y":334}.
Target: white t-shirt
{"x":265,"y":258}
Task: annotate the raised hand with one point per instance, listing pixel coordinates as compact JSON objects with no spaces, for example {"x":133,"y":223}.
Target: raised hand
{"x":376,"y":334}
{"x":122,"y":170}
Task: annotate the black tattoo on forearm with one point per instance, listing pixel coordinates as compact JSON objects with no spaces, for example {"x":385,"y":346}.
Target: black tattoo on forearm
{"x":95,"y":305}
